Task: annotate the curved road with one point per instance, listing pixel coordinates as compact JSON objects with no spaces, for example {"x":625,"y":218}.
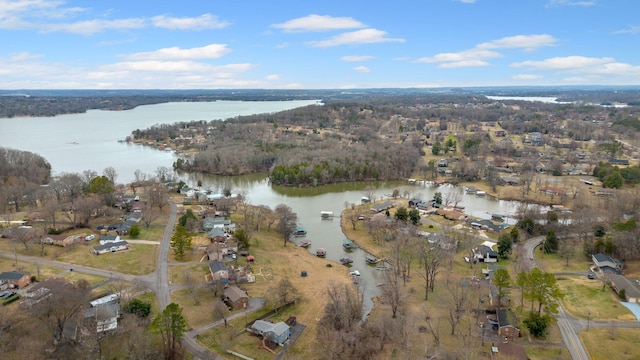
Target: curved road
{"x":157,"y":281}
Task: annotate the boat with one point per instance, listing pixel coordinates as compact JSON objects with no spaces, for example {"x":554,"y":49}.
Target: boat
{"x":481,"y":193}
{"x":348,"y":244}
{"x":320,"y":252}
{"x":371,"y":259}
{"x":346,"y":259}
{"x":300,"y":231}
{"x":497,"y":217}
{"x":326,"y":215}
{"x":304,"y":243}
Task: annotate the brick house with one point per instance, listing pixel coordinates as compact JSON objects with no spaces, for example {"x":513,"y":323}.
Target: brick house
{"x":15,"y":278}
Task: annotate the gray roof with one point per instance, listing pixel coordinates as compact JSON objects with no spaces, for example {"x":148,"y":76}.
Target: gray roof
{"x":279,"y":328}
{"x":216,"y":232}
{"x":12,"y":275}
{"x":631,"y":286}
{"x":216,"y":266}
{"x":261,"y":326}
{"x":110,"y":245}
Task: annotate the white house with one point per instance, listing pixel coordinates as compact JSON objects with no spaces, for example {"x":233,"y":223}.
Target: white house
{"x":110,"y":247}
{"x":108,"y":239}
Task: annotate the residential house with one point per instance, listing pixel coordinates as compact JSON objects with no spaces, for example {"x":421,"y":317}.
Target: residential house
{"x":613,"y":161}
{"x":108,"y":239}
{"x":377,"y":208}
{"x":103,"y":316}
{"x":59,"y":240}
{"x":605,"y":263}
{"x":217,"y":235}
{"x":278,"y":333}
{"x":505,"y":324}
{"x":485,"y":254}
{"x":218,"y":270}
{"x":110,"y":247}
{"x":236,"y":297}
{"x":487,"y":225}
{"x":15,"y":279}
{"x":630,"y":286}
{"x":217,"y":251}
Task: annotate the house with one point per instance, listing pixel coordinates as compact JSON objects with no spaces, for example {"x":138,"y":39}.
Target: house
{"x":613,"y":161}
{"x":15,"y":279}
{"x":217,"y":235}
{"x":630,"y":286}
{"x":108,"y":239}
{"x":414,"y":202}
{"x":236,"y":297}
{"x":486,"y":225}
{"x":605,"y":263}
{"x":110,"y":247}
{"x":216,"y":250}
{"x":210,"y":223}
{"x":377,"y":208}
{"x":103,"y":316}
{"x":59,"y":240}
{"x":485,"y":254}
{"x":219,"y":270}
{"x":505,"y":327}
{"x":278,"y":333}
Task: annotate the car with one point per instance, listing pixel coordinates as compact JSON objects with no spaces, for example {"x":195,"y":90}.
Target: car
{"x":90,"y":237}
{"x":7,"y":294}
{"x":100,"y":227}
{"x":361,"y":217}
{"x":354,"y":273}
{"x":591,"y":275}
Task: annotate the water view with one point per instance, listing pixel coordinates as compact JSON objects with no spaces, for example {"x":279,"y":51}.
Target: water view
{"x":90,"y":141}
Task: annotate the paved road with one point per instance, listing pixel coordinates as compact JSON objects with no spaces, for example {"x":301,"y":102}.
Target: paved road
{"x":565,"y":323}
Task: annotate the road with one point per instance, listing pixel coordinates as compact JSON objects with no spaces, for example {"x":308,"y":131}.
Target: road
{"x":157,"y":282}
{"x":565,"y":322}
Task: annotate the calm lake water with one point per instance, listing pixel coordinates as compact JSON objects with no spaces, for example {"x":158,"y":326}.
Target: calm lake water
{"x":89,"y":141}
{"x":74,"y":143}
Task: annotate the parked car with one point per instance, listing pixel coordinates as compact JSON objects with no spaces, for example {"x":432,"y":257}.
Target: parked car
{"x":90,"y":237}
{"x":591,"y":275}
{"x":100,"y":227}
{"x":7,"y":294}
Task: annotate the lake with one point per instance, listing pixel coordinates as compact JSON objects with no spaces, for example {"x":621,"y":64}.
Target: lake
{"x":74,"y":143}
{"x":89,"y":141}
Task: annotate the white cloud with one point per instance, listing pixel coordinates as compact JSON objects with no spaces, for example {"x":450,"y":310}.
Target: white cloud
{"x":364,"y":36}
{"x":89,"y":27}
{"x":212,"y":51}
{"x":527,"y":77}
{"x":202,"y":22}
{"x":479,"y":55}
{"x":355,"y":58}
{"x":362,"y":69}
{"x":634,"y":29}
{"x":555,"y":3}
{"x":587,"y":70}
{"x":319,"y":23}
{"x":527,"y":42}
{"x":273,"y":77}
{"x":23,"y":56}
{"x":564,"y":63}
{"x":53,"y":16}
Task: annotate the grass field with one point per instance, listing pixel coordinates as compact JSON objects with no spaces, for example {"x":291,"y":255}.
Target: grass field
{"x":138,"y":260}
{"x":611,"y":343}
{"x":584,"y":296}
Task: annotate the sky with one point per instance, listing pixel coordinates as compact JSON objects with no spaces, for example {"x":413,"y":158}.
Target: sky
{"x":285,"y":44}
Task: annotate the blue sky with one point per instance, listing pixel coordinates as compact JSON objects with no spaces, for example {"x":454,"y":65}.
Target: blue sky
{"x":277,"y":44}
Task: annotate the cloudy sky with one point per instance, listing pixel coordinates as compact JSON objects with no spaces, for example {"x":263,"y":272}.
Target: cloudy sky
{"x":284,"y":44}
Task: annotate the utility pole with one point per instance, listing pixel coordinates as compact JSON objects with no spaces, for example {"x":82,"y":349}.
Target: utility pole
{"x":588,"y":318}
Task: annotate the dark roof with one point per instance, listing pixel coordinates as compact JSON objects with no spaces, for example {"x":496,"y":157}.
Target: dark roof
{"x":12,"y":275}
{"x":216,"y":266}
{"x":215,"y":232}
{"x":631,"y":286}
{"x":503,"y":317}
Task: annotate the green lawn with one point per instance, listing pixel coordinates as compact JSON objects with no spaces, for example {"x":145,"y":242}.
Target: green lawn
{"x":584,"y":296}
{"x":138,"y":260}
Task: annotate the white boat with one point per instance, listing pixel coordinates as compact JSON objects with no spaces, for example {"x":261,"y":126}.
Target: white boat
{"x":326,"y":215}
{"x":481,"y":193}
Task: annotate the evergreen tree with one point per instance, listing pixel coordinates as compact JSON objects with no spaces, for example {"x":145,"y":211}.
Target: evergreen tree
{"x":180,"y":241}
{"x":171,"y":325}
{"x":551,"y":243}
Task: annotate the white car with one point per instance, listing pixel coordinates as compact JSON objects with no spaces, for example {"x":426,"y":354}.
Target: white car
{"x":354,"y":273}
{"x":89,"y":237}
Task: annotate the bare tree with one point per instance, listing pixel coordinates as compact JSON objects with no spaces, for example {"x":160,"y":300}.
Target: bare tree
{"x":111,"y":174}
{"x":457,"y":305}
{"x":286,"y":221}
{"x":430,"y":260}
{"x":150,"y":215}
{"x":393,"y":291}
{"x":24,"y":235}
{"x":63,"y":303}
{"x":156,"y":194}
